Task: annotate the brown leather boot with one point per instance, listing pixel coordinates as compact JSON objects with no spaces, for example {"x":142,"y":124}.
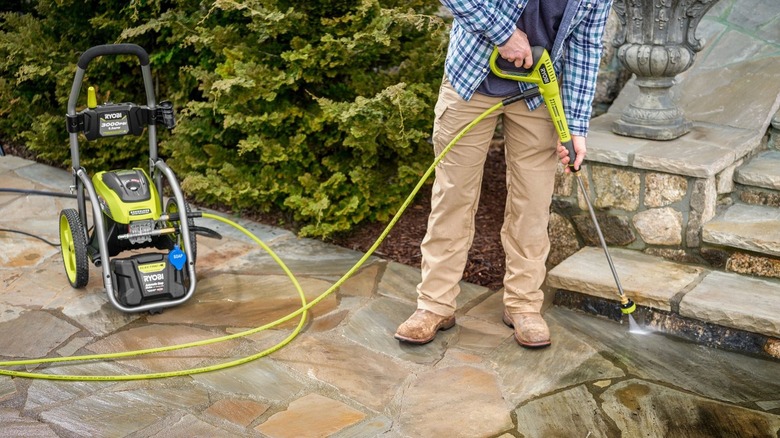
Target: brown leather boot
{"x":422,"y":327}
{"x":530,"y":329}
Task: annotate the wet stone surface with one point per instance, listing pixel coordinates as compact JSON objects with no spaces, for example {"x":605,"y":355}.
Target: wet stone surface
{"x":345,"y":375}
{"x":644,"y":408}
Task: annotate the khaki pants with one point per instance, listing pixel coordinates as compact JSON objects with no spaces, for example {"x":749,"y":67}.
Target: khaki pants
{"x":531,"y":159}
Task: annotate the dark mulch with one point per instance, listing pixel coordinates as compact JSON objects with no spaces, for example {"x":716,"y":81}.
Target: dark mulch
{"x":9,"y":148}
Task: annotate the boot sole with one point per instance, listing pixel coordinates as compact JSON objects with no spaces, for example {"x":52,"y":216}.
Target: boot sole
{"x":446,"y":325}
{"x":510,"y":324}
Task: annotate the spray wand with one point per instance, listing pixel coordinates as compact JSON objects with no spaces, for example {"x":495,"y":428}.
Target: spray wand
{"x":542,"y":74}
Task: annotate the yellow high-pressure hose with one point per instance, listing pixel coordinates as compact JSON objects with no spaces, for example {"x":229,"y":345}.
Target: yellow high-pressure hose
{"x":301,"y":311}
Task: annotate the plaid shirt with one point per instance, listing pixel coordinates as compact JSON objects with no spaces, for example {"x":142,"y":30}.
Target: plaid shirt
{"x":479,"y":25}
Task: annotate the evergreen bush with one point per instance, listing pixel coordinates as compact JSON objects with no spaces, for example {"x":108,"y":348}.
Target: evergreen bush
{"x":318,"y":109}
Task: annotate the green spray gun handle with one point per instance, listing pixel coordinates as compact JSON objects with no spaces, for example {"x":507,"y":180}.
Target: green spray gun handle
{"x":507,"y":70}
{"x":542,"y":74}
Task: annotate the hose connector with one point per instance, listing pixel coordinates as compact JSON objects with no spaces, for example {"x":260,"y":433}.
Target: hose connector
{"x":627,"y":306}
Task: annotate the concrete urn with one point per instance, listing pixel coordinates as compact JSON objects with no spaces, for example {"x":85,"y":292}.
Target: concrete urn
{"x":656,"y":41}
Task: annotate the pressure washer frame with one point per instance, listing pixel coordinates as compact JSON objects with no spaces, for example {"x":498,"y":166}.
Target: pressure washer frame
{"x":142,"y":117}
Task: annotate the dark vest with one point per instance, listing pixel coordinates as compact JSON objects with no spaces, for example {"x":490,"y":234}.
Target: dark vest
{"x":540,"y":21}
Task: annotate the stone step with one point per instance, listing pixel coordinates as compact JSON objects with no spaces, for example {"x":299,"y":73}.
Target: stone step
{"x":763,"y":171}
{"x":749,"y":227}
{"x":695,"y":293}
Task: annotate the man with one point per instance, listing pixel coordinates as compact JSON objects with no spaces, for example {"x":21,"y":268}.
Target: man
{"x":571,"y":31}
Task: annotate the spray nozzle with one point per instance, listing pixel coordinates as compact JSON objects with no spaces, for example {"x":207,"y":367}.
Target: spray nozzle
{"x":627,"y":306}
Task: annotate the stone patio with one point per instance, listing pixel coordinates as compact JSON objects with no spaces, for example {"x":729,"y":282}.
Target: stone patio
{"x":708,"y":364}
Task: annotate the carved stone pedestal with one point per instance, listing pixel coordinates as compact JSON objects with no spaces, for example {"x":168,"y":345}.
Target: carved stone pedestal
{"x":657,"y":42}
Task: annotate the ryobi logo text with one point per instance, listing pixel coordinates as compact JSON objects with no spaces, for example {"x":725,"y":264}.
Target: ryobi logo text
{"x":545,"y":76}
{"x":113,"y":124}
{"x":140,"y":212}
{"x":154,"y":277}
{"x":153,"y":272}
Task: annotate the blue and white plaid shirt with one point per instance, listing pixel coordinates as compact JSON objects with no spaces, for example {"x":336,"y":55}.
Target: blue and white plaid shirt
{"x":480,"y":25}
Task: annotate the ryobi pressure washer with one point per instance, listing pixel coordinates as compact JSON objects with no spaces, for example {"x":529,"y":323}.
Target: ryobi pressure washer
{"x":127,"y":204}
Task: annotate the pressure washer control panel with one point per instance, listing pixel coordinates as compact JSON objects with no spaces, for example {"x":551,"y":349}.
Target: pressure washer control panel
{"x":131,"y":185}
{"x":117,"y":119}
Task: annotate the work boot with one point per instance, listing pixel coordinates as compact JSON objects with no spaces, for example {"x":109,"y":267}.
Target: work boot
{"x":422,"y":327}
{"x":530,"y":329}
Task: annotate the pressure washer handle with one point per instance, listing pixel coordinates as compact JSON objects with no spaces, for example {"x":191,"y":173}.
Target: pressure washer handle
{"x":113,"y":49}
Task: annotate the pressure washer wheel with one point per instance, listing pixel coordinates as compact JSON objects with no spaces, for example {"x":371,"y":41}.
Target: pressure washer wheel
{"x":178,"y":238}
{"x":74,"y":248}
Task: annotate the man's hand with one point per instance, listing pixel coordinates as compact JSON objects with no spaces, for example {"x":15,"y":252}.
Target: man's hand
{"x":517,"y":50}
{"x":580,"y":149}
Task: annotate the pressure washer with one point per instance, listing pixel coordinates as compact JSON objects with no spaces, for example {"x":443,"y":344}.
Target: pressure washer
{"x":128,"y":214}
{"x":542,"y":74}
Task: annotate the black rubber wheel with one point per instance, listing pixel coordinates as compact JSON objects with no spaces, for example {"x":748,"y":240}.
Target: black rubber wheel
{"x":74,"y":248}
{"x":177,"y":238}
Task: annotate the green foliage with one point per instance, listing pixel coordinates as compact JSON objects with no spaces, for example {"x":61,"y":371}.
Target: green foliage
{"x":318,"y":109}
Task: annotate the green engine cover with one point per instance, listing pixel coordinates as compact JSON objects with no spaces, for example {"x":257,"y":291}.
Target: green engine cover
{"x":127,"y":195}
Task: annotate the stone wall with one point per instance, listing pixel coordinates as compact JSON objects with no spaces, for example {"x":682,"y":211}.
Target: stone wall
{"x":654,"y":212}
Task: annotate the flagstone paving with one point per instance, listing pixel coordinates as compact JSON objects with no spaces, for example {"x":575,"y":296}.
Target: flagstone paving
{"x":344,"y":375}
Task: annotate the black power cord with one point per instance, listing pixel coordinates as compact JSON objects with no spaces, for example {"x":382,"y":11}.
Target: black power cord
{"x":6,"y":230}
{"x":33,"y":192}
{"x":38,"y":192}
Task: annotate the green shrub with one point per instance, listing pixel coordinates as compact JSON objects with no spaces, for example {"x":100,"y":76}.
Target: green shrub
{"x":317,"y":109}
{"x":320,"y":111}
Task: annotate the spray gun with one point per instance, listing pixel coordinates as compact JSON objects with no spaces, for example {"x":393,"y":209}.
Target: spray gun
{"x":542,"y":74}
